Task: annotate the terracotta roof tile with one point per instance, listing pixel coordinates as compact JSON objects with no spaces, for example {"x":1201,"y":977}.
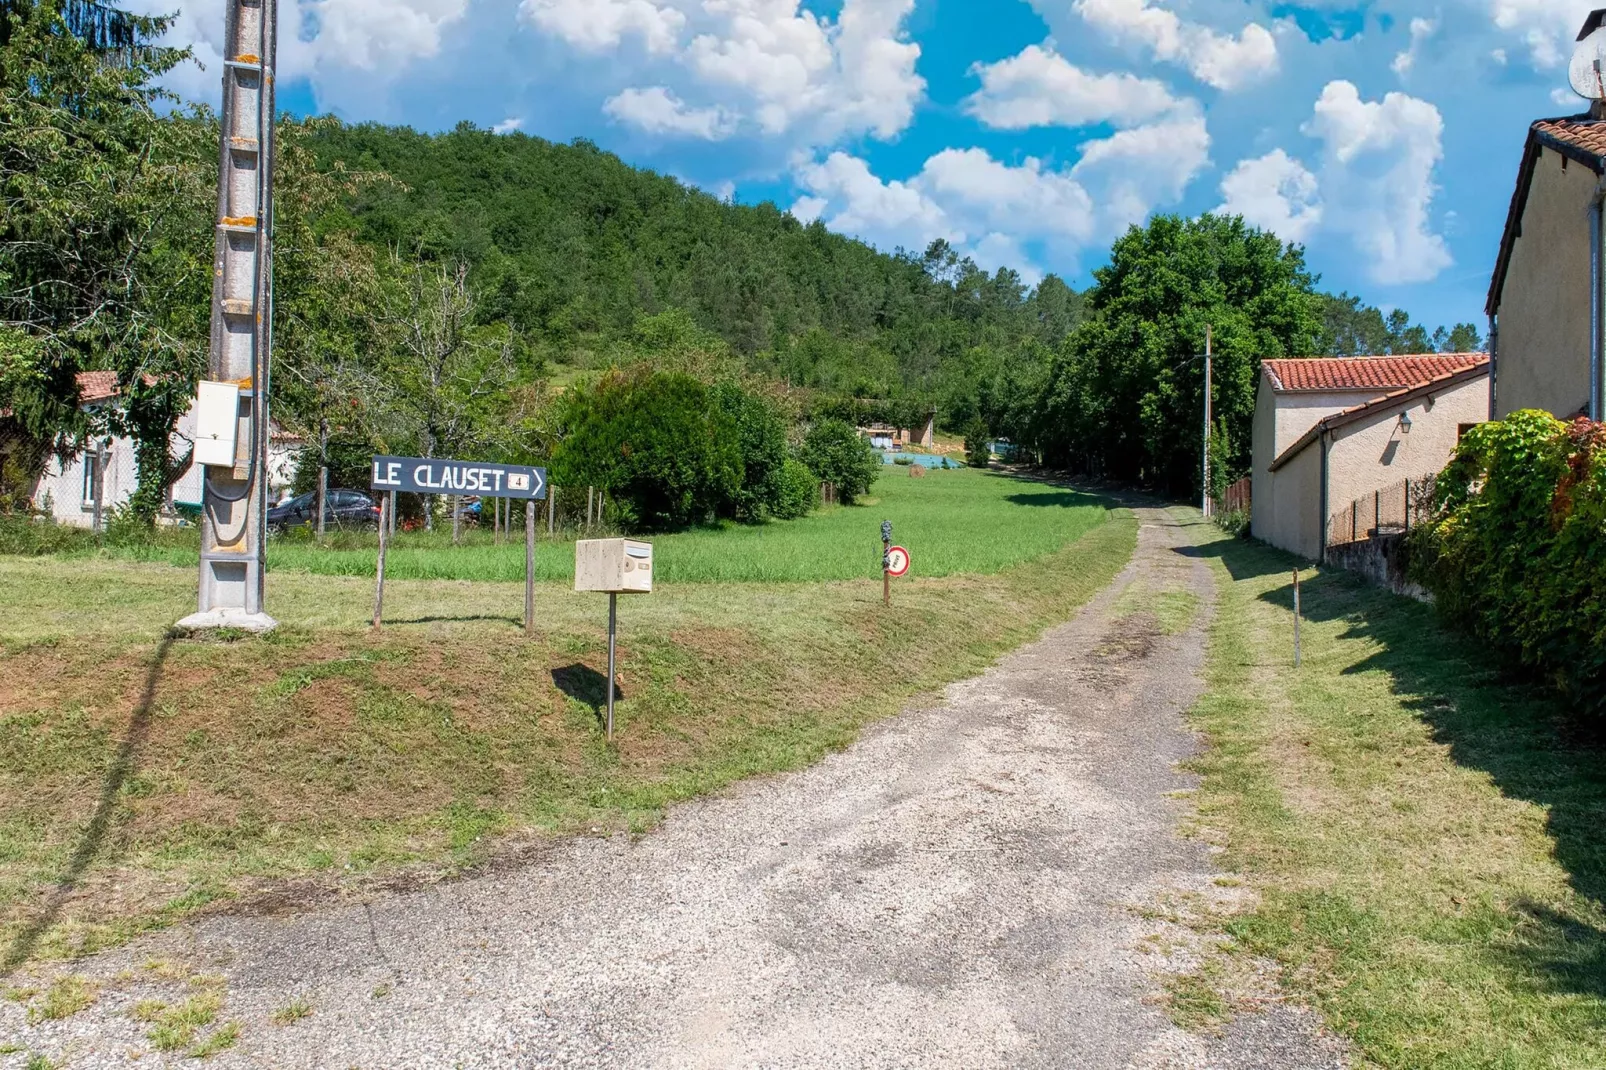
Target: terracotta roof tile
{"x":1366,"y":373}
{"x":1579,"y":131}
{"x":96,"y":386}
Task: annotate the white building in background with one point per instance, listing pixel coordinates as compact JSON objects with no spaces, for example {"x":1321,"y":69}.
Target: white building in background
{"x":1330,"y":431}
{"x":66,"y":488}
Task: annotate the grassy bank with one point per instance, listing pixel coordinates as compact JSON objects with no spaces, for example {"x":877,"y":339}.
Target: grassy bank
{"x":961,"y":521}
{"x":1427,"y":843}
{"x":142,"y":779}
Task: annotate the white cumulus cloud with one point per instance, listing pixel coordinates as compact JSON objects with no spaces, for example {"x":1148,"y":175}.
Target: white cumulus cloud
{"x":1376,"y":174}
{"x":1039,"y":87}
{"x":1218,"y":59}
{"x":1421,"y":30}
{"x":601,"y":25}
{"x":772,"y":65}
{"x":1546,"y":27}
{"x":1274,"y":192}
{"x":326,"y":41}
{"x":659,"y":111}
{"x":993,"y":210}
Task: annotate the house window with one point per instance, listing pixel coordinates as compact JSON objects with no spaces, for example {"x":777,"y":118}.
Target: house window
{"x":1462,"y":429}
{"x":91,"y":477}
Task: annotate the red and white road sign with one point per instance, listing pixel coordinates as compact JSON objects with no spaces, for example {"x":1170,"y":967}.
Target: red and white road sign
{"x":897,"y":561}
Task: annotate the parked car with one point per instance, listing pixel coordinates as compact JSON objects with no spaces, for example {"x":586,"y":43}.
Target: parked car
{"x":344,"y":509}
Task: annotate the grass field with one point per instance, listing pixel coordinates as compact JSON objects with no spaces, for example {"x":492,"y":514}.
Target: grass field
{"x":1427,"y":843}
{"x":960,"y":521}
{"x":143,"y":779}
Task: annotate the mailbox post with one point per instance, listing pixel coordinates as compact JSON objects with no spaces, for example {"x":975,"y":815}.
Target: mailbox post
{"x":614,"y":567}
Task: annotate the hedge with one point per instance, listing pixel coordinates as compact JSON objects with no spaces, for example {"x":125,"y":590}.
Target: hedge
{"x":1515,"y":551}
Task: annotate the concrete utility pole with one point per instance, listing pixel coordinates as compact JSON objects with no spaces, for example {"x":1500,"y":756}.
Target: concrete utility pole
{"x":234,"y":500}
{"x":1204,"y":493}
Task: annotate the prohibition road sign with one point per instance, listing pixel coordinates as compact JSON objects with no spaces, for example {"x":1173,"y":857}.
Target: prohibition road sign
{"x":897,"y":561}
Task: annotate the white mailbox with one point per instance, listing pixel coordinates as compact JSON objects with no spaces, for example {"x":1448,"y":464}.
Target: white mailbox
{"x":217,"y":419}
{"x":613,"y":566}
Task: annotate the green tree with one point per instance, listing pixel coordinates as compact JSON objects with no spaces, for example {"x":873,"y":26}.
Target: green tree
{"x":104,"y":240}
{"x":760,"y":437}
{"x":1124,"y":396}
{"x":655,"y":442}
{"x":978,"y":444}
{"x":450,"y":379}
{"x":329,"y":344}
{"x":835,"y":453}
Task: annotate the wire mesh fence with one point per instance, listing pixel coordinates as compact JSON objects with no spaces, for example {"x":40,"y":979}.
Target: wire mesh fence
{"x":1390,"y":510}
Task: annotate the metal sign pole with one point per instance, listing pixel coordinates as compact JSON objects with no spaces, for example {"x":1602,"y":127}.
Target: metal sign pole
{"x":529,"y":564}
{"x":1204,"y":495}
{"x":886,"y":562}
{"x":613,"y":630}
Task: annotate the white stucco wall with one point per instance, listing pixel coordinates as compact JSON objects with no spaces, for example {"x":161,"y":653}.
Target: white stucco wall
{"x":1543,"y":347}
{"x":1373,"y":454}
{"x":1363,"y":457}
{"x":1293,"y":503}
{"x":61,"y":489}
{"x":1279,"y":500}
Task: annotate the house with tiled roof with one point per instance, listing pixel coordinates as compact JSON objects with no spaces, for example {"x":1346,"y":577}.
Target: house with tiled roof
{"x":1332,"y":430}
{"x":69,"y":485}
{"x":1545,"y":296}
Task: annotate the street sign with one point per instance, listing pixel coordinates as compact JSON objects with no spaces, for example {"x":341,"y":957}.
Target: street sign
{"x":421,"y":475}
{"x":897,"y":561}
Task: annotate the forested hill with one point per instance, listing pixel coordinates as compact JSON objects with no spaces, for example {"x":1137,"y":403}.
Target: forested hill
{"x":572,"y":246}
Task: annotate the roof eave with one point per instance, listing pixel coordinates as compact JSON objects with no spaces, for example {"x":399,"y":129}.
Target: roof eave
{"x":1537,"y":140}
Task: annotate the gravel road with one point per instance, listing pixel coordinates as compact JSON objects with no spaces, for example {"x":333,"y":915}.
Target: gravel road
{"x":964,"y":887}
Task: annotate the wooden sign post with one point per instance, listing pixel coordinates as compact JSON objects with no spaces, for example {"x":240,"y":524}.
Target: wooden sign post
{"x":529,"y":564}
{"x":1296,"y":618}
{"x":434,"y":475}
{"x":387,"y":522}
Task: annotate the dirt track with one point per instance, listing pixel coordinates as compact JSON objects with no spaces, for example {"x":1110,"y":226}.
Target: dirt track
{"x":963,"y":887}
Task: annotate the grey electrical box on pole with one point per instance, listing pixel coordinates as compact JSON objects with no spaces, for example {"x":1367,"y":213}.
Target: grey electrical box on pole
{"x":234,"y":487}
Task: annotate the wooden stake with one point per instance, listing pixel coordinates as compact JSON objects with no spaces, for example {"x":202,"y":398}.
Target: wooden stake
{"x":1296,"y":618}
{"x":529,"y":564}
{"x":387,"y":513}
{"x":551,"y":510}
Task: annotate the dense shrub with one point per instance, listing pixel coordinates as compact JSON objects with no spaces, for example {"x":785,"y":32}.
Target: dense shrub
{"x":665,"y":455}
{"x":978,"y":445}
{"x":760,"y":438}
{"x":800,"y":490}
{"x":834,"y":451}
{"x":1514,"y":550}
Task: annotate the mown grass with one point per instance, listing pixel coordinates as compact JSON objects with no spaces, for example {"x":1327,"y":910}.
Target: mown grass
{"x":1427,"y":841}
{"x":142,"y":779}
{"x":952,"y":522}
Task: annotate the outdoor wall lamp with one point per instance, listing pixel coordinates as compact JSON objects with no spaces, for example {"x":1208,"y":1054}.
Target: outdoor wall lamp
{"x":1405,"y":423}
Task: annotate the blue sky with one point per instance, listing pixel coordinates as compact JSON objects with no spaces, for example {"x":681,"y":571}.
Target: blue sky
{"x":1384,"y":137}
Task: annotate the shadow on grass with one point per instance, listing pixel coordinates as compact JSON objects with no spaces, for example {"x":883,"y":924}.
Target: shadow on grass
{"x":1046,"y":497}
{"x":123,"y":765}
{"x":1527,"y":742}
{"x":588,"y":686}
{"x":517,"y":622}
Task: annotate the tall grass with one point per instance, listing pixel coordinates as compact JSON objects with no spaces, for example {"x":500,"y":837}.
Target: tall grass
{"x":952,"y":522}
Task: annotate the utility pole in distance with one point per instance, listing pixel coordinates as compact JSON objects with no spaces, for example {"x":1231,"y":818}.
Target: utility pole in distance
{"x":234,"y":496}
{"x":1204,"y":492}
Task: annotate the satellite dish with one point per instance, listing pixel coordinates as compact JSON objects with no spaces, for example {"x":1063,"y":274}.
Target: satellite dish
{"x":1587,"y":71}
